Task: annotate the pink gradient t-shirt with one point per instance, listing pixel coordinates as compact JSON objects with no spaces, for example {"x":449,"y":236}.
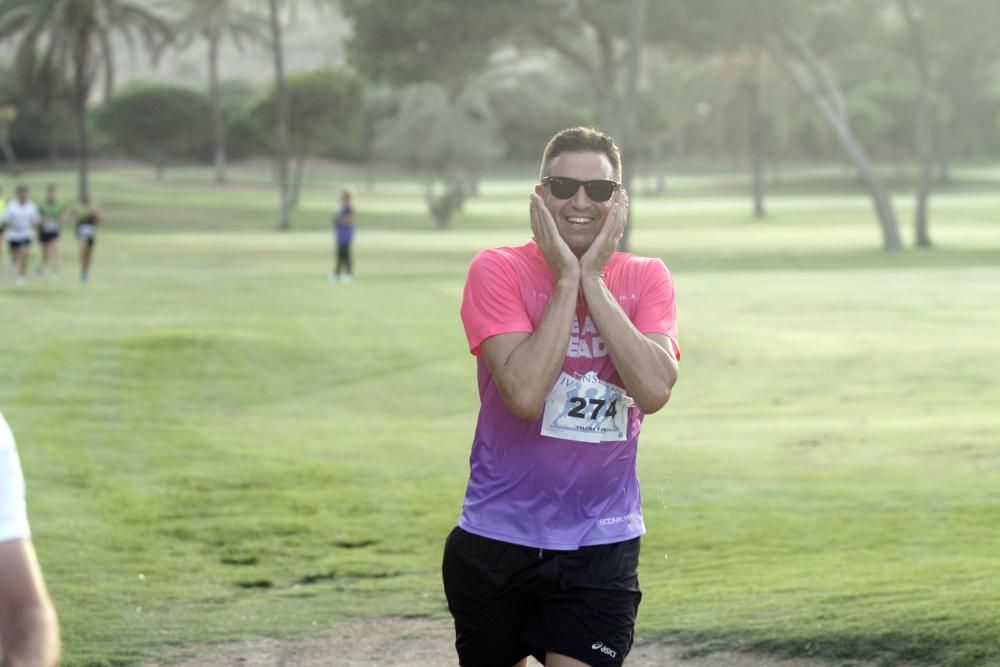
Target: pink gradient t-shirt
{"x":539,"y":490}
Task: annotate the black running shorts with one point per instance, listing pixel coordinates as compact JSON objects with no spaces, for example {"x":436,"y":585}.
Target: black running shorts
{"x":510,"y":601}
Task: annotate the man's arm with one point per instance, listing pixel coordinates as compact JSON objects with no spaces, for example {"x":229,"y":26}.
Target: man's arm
{"x":525,"y":366}
{"x":29,"y":631}
{"x":645,"y":362}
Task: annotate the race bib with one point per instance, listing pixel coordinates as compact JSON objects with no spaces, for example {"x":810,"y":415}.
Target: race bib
{"x":586,"y":409}
{"x":85,"y":231}
{"x":49,"y":225}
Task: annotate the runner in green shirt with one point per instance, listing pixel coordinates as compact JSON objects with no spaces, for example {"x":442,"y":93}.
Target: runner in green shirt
{"x":53,"y":212}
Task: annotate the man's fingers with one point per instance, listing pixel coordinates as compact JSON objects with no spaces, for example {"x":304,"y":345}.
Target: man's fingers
{"x":536,"y":226}
{"x":544,"y":217}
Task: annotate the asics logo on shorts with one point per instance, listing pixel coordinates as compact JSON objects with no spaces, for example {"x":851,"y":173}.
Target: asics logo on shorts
{"x":606,"y":650}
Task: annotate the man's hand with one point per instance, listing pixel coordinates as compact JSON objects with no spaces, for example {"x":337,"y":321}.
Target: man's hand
{"x":557,"y":254}
{"x":596,"y":258}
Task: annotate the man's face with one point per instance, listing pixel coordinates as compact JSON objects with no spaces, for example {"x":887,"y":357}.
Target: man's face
{"x":578,"y":219}
{"x":50,"y":194}
{"x":22,"y":195}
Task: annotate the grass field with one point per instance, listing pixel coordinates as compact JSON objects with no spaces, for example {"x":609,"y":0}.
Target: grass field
{"x":220,"y":444}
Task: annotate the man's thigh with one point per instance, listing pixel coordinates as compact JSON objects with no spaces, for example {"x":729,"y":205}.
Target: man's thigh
{"x":492,"y":589}
{"x":592,"y":618}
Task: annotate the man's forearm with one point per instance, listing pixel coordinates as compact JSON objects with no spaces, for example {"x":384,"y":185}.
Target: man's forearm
{"x":647,"y":369}
{"x":532,"y":368}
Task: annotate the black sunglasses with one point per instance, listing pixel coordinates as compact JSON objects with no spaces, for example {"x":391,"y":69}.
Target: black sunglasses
{"x":564,"y":188}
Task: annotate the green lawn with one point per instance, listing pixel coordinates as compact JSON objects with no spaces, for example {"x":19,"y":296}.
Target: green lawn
{"x":220,"y":444}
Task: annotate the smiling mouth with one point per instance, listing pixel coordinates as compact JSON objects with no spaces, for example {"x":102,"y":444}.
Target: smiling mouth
{"x":578,"y":220}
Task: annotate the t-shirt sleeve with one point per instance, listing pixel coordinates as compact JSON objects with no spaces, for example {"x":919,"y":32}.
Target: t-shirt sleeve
{"x":491,"y":301}
{"x":13,"y":514}
{"x":657,"y":308}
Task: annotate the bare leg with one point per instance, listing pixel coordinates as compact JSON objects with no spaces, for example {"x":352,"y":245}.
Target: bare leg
{"x":85,"y":251}
{"x":54,"y":256}
{"x":560,"y":660}
{"x":21,"y":259}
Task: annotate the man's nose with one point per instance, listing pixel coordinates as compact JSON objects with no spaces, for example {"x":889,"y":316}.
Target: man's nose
{"x":580,"y":198}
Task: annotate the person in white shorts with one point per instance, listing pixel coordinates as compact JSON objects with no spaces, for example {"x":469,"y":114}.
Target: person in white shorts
{"x":21,"y":217}
{"x":29,"y":630}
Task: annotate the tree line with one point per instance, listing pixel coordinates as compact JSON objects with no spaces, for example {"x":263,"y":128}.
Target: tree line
{"x":446,"y":87}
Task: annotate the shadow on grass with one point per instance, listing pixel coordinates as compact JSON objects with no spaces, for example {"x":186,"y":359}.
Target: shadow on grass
{"x":969,"y":648}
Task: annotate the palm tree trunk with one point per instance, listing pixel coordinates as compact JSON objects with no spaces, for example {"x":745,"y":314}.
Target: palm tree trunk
{"x":636,"y":25}
{"x":81,"y":91}
{"x":756,"y":148}
{"x":82,"y":152}
{"x":922,"y":236}
{"x":757,"y":117}
{"x":218,"y":127}
{"x":281,"y":118}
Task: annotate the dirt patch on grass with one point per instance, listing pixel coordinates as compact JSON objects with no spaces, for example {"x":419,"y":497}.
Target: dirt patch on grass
{"x":402,"y":642}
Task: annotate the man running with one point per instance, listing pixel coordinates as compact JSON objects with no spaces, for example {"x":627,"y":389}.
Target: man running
{"x":52,"y":212}
{"x":21,"y":216}
{"x":88,"y":216}
{"x":575,"y":344}
{"x":29,"y":631}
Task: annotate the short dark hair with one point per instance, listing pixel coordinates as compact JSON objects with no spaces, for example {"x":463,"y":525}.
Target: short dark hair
{"x":582,"y":140}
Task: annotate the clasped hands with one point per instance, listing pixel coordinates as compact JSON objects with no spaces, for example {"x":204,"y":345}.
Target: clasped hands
{"x":558,"y":255}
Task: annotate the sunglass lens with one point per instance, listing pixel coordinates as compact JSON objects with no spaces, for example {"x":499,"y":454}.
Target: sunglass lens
{"x":564,"y":188}
{"x":600,"y":191}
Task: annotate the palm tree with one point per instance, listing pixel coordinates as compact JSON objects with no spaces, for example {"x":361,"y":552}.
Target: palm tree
{"x":281,"y":116}
{"x":74,"y":38}
{"x":214,"y":20}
